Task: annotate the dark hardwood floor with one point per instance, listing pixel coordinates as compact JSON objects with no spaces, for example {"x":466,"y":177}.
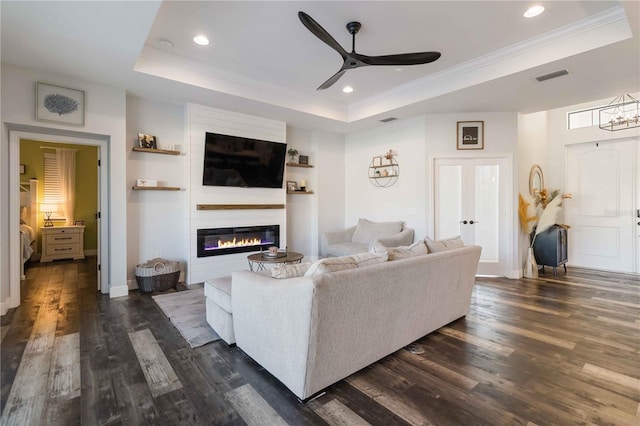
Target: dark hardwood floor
{"x":557,"y":350}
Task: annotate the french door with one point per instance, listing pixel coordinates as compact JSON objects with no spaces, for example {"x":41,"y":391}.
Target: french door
{"x":471,"y":201}
{"x":604,"y":215}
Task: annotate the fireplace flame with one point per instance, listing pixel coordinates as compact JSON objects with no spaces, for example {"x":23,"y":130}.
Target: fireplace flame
{"x":239,"y":243}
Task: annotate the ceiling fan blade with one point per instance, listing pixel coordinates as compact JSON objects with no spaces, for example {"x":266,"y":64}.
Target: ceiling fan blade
{"x":332,"y":80}
{"x":321,"y":33}
{"x":401,"y":59}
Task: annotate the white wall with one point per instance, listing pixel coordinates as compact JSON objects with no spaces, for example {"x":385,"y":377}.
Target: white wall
{"x":330,"y":178}
{"x":105,"y":119}
{"x":406,"y":199}
{"x":155,"y":219}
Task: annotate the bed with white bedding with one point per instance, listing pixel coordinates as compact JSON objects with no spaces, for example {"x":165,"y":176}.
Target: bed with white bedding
{"x":28,"y":221}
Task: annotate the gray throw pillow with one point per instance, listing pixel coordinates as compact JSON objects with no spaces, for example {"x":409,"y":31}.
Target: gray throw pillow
{"x":290,"y":271}
{"x":443,"y":245}
{"x":401,"y":252}
{"x":330,"y":264}
{"x":366,"y":259}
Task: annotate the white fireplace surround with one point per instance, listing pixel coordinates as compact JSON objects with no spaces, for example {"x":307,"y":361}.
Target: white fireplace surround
{"x":202,"y":119}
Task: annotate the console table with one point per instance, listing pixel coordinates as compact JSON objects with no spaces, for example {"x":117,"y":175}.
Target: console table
{"x":260,"y":260}
{"x":62,"y":242}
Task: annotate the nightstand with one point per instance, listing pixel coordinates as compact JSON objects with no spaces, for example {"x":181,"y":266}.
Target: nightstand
{"x":62,"y":242}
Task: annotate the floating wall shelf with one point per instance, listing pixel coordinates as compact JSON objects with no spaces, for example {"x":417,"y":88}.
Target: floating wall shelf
{"x":155,"y":151}
{"x":155,"y":188}
{"x":383,"y":172}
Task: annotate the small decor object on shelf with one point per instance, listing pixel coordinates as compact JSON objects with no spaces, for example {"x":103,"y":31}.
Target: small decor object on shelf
{"x":303,"y":185}
{"x":292,"y":153}
{"x":147,"y":141}
{"x":146,"y":182}
{"x":470,"y":135}
{"x":78,"y":222}
{"x":303,"y":159}
{"x":292,"y":185}
{"x":59,"y":104}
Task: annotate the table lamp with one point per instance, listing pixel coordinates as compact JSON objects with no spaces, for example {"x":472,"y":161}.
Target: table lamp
{"x":47,"y":209}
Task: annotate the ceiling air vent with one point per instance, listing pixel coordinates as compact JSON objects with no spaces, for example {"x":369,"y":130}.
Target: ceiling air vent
{"x":388,"y":119}
{"x":551,"y":75}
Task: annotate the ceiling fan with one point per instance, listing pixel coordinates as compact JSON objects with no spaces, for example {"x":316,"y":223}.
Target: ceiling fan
{"x":355,"y":60}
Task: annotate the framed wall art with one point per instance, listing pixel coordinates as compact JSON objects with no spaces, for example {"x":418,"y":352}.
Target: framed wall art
{"x":147,"y":141}
{"x":470,"y":135}
{"x":59,"y":104}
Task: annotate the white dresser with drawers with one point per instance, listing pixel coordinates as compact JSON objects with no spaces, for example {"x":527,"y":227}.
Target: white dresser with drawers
{"x":62,"y":242}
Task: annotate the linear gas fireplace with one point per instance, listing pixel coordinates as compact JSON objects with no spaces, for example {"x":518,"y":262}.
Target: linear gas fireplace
{"x":217,"y":241}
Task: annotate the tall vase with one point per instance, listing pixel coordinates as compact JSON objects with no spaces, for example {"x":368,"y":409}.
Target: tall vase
{"x":530,"y":266}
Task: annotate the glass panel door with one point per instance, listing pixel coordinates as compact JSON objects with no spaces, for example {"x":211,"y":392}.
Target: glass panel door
{"x":468,"y":203}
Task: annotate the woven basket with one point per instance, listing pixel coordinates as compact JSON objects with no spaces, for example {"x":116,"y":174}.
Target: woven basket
{"x":157,"y":275}
{"x":158,"y":282}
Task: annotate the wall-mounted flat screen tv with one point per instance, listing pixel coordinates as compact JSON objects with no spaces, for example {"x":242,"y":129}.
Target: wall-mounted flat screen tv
{"x":245,"y":162}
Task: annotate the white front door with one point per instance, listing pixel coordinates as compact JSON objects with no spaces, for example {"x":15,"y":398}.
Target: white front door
{"x":603,"y":213}
{"x":470,"y":202}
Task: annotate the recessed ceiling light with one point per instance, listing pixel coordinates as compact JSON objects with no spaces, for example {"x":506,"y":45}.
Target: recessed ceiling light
{"x":398,"y":69}
{"x":201,"y":40}
{"x":534,"y":11}
{"x":166,"y":44}
{"x":347,"y":89}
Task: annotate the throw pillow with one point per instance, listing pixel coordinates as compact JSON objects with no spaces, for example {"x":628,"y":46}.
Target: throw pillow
{"x":367,"y":231}
{"x":366,"y":259}
{"x":330,"y":264}
{"x":401,"y":252}
{"x":290,"y":271}
{"x":442,"y":245}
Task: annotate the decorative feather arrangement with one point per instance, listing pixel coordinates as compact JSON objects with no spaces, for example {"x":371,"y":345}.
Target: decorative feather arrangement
{"x":548,"y":216}
{"x":523,"y":213}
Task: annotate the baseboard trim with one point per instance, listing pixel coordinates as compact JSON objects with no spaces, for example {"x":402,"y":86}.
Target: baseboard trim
{"x":118,"y":291}
{"x":3,"y":308}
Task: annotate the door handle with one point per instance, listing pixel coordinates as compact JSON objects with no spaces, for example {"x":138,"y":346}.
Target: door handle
{"x":472,"y":222}
{"x":464,"y":222}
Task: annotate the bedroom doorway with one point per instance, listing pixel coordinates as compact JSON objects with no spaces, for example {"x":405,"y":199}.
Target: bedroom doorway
{"x":43,"y":135}
{"x":39,"y":161}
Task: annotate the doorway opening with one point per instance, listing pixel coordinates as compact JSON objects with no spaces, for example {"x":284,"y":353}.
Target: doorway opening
{"x":50,"y":136}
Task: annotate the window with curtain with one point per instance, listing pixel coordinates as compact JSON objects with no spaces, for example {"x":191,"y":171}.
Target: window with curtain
{"x":52,"y":192}
{"x":60,"y":183}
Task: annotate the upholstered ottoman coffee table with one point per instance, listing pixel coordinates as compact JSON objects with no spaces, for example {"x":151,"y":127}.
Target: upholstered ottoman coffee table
{"x":217,"y":292}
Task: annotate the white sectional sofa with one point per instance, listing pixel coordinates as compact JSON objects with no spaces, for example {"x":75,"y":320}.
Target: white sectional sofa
{"x":312,"y":331}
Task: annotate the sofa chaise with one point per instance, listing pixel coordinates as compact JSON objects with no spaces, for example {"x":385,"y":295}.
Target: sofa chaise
{"x":312,"y":331}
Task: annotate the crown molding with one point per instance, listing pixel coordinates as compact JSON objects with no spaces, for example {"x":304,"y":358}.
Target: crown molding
{"x":161,"y":64}
{"x":607,"y":27}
